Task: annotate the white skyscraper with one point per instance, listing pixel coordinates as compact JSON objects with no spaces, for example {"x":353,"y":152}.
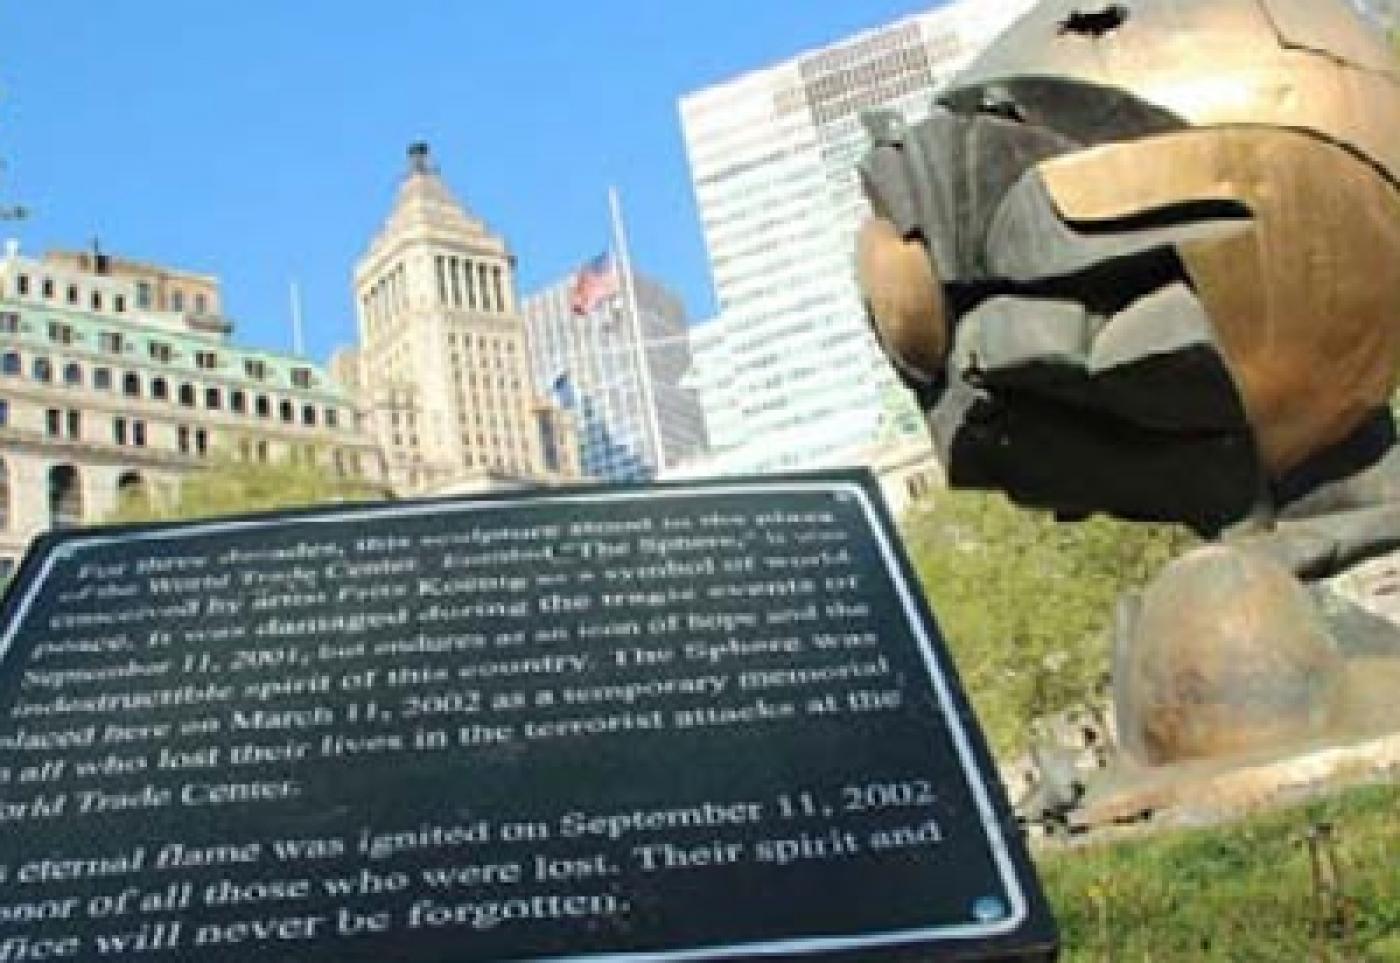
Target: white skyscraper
{"x":589,"y":360}
{"x":788,"y":372}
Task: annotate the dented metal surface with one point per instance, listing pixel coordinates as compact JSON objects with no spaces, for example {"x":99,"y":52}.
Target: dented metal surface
{"x":1312,"y":65}
{"x":1143,"y":258}
{"x":1305,"y":303}
{"x":1100,"y":153}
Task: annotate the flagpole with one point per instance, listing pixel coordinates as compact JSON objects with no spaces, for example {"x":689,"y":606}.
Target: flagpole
{"x":629,"y":293}
{"x":298,"y":347}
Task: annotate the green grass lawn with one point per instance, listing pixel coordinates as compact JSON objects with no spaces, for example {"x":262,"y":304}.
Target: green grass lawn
{"x":1237,"y":893}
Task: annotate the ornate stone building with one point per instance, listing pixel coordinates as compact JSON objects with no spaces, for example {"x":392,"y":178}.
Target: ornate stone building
{"x":442,"y":364}
{"x":119,"y":375}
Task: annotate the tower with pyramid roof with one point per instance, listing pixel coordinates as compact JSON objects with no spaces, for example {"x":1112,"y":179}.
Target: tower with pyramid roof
{"x":442,"y":362}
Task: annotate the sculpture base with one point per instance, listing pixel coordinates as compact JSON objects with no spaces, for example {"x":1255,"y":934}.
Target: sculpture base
{"x":1235,"y":685}
{"x":1210,"y":791}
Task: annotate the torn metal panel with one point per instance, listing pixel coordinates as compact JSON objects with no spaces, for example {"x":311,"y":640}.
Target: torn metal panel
{"x":1307,"y":64}
{"x":1342,"y":33}
{"x":1304,"y":301}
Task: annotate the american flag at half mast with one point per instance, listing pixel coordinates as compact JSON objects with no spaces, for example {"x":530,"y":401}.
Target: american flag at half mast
{"x":595,"y":282}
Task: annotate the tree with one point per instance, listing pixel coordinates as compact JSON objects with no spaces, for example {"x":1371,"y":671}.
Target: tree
{"x":229,"y":487}
{"x":1026,"y":603}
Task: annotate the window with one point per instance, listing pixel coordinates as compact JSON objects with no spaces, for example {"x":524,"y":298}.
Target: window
{"x":201,"y":442}
{"x":263,"y":407}
{"x":301,"y":377}
{"x":332,"y":418}
{"x":102,"y":379}
{"x":119,"y":303}
{"x":207,"y":360}
{"x":143,"y":294}
{"x":73,"y":374}
{"x":138,"y":433}
{"x":160,"y":390}
{"x":131,"y":384}
{"x":237,"y":401}
{"x":43,"y":369}
{"x":4,"y":415}
{"x":72,"y":294}
{"x":110,"y":341}
{"x":262,"y":451}
{"x":10,"y":363}
{"x":96,"y":300}
{"x":213,"y":399}
{"x":9,"y":322}
{"x":177,"y":300}
{"x":131,"y":488}
{"x":254,"y":368}
{"x":187,"y":395}
{"x":119,"y":431}
{"x":182,"y":439}
{"x":46,"y":288}
{"x":65,"y":497}
{"x":58,"y":423}
{"x":308,"y":415}
{"x":61,"y":333}
{"x":286,"y":412}
{"x":201,"y":304}
{"x":22,"y":285}
{"x":159,"y":351}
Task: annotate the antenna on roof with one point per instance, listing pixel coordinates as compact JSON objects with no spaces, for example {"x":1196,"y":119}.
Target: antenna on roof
{"x":298,"y":348}
{"x":17,"y":212}
{"x":99,"y":260}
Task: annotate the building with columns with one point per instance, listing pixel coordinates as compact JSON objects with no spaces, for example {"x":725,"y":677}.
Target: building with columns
{"x":592,"y":361}
{"x":118,"y":375}
{"x":442,"y":364}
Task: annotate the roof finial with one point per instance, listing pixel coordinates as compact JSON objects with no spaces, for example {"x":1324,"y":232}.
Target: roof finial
{"x":419,"y":161}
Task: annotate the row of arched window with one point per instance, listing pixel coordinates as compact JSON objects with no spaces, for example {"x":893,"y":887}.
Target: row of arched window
{"x":159,"y":389}
{"x":65,"y":494}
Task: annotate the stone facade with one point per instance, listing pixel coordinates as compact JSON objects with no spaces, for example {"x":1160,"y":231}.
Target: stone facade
{"x":443,"y":363}
{"x":98,"y":394}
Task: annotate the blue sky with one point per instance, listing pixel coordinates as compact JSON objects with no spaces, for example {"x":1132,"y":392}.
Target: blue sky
{"x":262,"y":140}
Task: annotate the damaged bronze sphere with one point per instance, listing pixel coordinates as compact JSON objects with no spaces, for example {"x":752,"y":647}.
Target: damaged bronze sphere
{"x":1160,"y":242}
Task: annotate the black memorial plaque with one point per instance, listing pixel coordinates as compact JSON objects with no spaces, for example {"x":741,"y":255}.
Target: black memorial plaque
{"x":684,"y":722}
